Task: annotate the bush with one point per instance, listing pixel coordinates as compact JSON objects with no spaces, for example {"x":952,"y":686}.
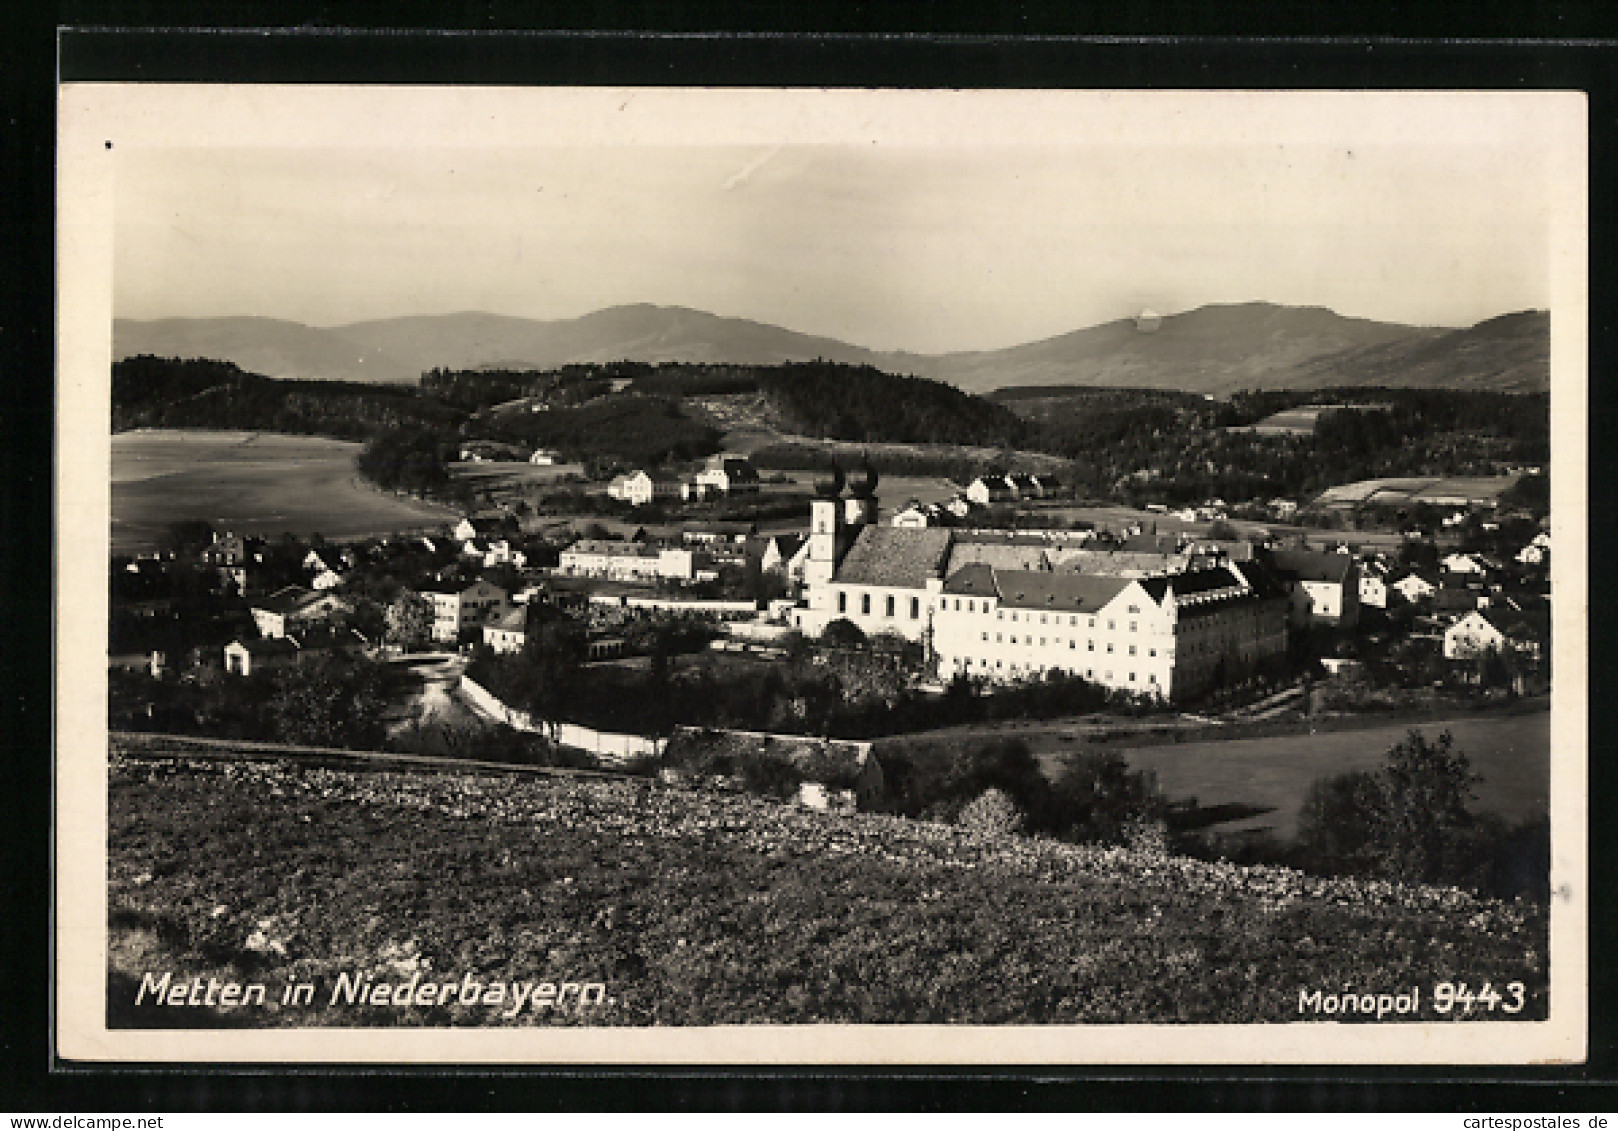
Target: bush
{"x":991,"y":813}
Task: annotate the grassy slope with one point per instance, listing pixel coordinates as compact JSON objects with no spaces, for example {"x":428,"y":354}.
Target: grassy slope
{"x":701,"y":908}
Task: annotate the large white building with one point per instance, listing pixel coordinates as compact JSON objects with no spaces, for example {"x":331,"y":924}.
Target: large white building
{"x":1006,"y":607}
{"x":626,"y":561}
{"x":470,"y":606}
{"x":1157,"y":636}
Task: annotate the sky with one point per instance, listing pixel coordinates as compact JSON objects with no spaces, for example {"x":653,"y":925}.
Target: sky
{"x":919,"y":237}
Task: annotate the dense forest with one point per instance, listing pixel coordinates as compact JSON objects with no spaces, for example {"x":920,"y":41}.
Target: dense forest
{"x":478,"y":389}
{"x":161,"y":392}
{"x":636,"y":430}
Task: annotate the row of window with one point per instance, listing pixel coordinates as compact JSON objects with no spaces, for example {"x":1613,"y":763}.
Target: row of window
{"x":965,"y":663}
{"x":1073,"y":643}
{"x":888,"y":605}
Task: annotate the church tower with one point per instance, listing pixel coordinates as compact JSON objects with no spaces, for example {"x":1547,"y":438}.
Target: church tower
{"x":828,"y":537}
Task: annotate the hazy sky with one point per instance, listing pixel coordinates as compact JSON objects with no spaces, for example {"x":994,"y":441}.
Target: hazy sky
{"x":973,"y":242}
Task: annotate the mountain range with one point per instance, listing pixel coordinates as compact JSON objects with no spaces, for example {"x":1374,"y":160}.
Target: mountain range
{"x":1213,"y":349}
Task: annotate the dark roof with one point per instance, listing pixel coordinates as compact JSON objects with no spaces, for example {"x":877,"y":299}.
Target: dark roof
{"x":894,"y":555}
{"x":1069,"y":592}
{"x":740,"y":469}
{"x":975,"y":580}
{"x":1517,"y":623}
{"x":1311,"y":565}
{"x":284,"y":600}
{"x":1196,"y":581}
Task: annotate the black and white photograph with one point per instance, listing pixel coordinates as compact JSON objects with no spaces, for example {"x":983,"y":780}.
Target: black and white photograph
{"x":681,"y":575}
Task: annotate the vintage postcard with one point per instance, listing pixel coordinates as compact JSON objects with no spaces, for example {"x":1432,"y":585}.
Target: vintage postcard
{"x":653,"y":576}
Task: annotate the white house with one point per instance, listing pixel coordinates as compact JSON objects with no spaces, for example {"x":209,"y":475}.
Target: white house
{"x":641,"y":487}
{"x":244,"y":657}
{"x":912,"y":516}
{"x":293,"y":605}
{"x":1533,"y":554}
{"x":507,"y":633}
{"x":626,"y":561}
{"x":326,"y":579}
{"x":1324,"y":587}
{"x":1463,"y":563}
{"x":468,"y":607}
{"x":1413,"y":587}
{"x":1494,"y":628}
{"x":987,"y":490}
{"x":544,"y":457}
{"x":729,"y":475}
{"x":464,"y":531}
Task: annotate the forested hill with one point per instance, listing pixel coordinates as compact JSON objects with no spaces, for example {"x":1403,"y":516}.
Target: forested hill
{"x":573,"y":409}
{"x":166,"y":392}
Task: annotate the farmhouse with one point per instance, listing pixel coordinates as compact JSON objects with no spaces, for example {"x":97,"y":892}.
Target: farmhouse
{"x":729,"y":475}
{"x":1497,"y":629}
{"x":244,"y":658}
{"x":641,"y":487}
{"x":294,"y":605}
{"x":986,"y":490}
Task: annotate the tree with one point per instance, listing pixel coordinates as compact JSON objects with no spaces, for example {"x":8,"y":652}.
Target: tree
{"x":1337,"y":823}
{"x":1407,"y":821}
{"x":327,"y":701}
{"x":408,"y":620}
{"x":1423,"y":817}
{"x":552,"y":667}
{"x":842,"y":633}
{"x":1096,"y":797}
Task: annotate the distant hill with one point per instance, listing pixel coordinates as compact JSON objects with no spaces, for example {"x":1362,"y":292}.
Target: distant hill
{"x":1214,"y":349}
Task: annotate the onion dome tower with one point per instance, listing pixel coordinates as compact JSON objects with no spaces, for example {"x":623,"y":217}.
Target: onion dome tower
{"x":860,"y":507}
{"x":829,"y":487}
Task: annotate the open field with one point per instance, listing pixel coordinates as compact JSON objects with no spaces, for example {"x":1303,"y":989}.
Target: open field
{"x":693,"y":907}
{"x":512,"y":474}
{"x":251,"y":483}
{"x":1512,"y":753}
{"x":1453,"y":491}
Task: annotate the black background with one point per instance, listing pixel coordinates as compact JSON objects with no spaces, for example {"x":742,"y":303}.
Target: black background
{"x":1517,"y":46}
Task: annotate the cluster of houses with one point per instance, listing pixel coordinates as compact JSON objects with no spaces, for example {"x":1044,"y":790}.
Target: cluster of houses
{"x":1156,"y":615}
{"x":723,"y":477}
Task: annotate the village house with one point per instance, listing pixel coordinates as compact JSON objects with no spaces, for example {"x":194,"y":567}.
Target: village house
{"x":286,"y":608}
{"x":987,"y":490}
{"x":544,"y":457}
{"x":1498,"y":629}
{"x":1323,"y":587}
{"x":640,"y":488}
{"x":508,"y":633}
{"x":911,"y":516}
{"x":465,"y":607}
{"x":729,"y":475}
{"x":246,"y":657}
{"x":1373,"y":585}
{"x":1414,"y":587}
{"x":1464,"y":563}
